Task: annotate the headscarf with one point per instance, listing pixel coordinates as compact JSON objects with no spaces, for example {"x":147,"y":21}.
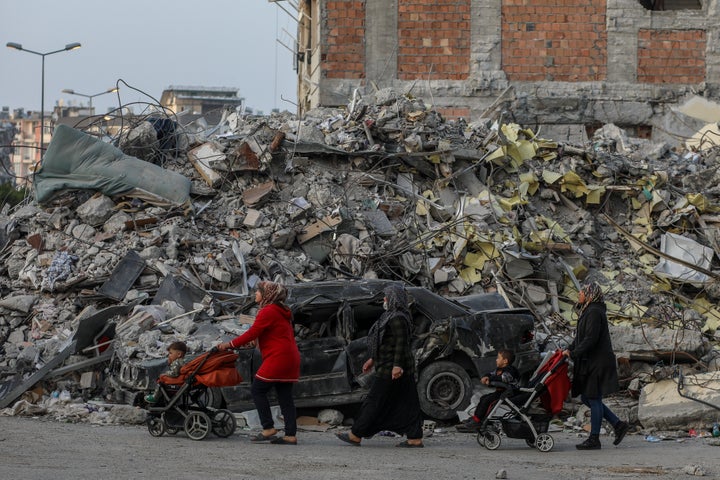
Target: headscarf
{"x":593,"y":293}
{"x":396,"y":305}
{"x":272,"y":293}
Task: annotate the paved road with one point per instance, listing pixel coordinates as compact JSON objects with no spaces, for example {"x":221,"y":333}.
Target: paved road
{"x":41,"y":449}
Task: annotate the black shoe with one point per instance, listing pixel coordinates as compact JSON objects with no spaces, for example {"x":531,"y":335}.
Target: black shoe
{"x":592,"y":443}
{"x":620,"y":430}
{"x":468,"y":426}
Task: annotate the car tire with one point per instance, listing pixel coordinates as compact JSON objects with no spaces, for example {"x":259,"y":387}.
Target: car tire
{"x":213,"y":398}
{"x":443,"y":389}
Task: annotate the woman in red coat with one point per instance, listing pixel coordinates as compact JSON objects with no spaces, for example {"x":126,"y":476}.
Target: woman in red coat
{"x":280,"y":368}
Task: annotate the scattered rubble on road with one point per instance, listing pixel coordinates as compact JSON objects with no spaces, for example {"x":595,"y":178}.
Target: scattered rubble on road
{"x":168,"y":245}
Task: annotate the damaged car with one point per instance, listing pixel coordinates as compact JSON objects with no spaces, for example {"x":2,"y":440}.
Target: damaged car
{"x":454,"y":341}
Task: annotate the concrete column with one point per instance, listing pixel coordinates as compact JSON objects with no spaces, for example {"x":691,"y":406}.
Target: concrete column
{"x":381,"y":41}
{"x":486,"y":31}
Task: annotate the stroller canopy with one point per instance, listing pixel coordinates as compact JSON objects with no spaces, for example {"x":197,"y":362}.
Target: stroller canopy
{"x":212,"y":369}
{"x":557,"y":383}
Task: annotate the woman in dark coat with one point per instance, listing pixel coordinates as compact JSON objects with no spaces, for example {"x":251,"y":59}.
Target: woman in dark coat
{"x":392,"y":402}
{"x":595,"y":369}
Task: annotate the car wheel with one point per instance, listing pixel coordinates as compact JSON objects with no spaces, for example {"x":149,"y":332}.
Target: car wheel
{"x":444,"y":388}
{"x":212,"y":398}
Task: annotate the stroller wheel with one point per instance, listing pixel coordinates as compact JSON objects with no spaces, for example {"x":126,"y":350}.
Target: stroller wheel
{"x":156,"y":426}
{"x":197,"y":425}
{"x":223,"y":423}
{"x":480,"y":439}
{"x":491,"y":440}
{"x":530,"y":442}
{"x":544,"y":442}
{"x":171,"y":430}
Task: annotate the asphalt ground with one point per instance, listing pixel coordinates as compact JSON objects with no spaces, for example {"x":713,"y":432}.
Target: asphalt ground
{"x":36,"y":448}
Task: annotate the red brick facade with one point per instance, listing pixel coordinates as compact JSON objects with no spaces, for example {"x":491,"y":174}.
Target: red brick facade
{"x":539,"y":40}
{"x":671,"y":56}
{"x":345,"y":52}
{"x":557,"y":40}
{"x":453,"y":113}
{"x":433,"y":39}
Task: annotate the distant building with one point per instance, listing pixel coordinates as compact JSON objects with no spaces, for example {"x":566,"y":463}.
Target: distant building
{"x":200,"y":100}
{"x":26,"y":143}
{"x":7,"y":133}
{"x":26,"y":154}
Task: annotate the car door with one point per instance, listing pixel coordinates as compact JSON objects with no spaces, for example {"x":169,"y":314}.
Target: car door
{"x":323,"y":356}
{"x":323,"y":369}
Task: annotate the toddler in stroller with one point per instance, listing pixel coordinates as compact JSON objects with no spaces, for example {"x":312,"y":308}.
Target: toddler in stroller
{"x":176,"y":359}
{"x":512,"y":414}
{"x":180,"y":404}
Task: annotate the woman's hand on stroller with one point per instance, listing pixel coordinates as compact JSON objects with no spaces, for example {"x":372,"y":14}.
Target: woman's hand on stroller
{"x":229,"y":346}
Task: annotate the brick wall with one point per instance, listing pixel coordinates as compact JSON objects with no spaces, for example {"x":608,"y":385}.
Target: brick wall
{"x":344,"y":56}
{"x":453,"y":113}
{"x":671,"y":56}
{"x":433,"y":39}
{"x":560,"y":40}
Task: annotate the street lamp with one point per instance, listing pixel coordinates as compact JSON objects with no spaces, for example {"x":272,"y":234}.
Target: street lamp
{"x":70,"y":91}
{"x":68,"y":47}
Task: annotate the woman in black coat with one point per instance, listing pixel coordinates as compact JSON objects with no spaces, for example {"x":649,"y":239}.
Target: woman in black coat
{"x":595,"y":370}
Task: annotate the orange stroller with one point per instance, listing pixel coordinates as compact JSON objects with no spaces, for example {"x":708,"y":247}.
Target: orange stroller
{"x":181,"y":404}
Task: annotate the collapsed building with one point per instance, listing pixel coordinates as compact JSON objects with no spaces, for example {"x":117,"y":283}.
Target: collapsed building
{"x":162,"y":236}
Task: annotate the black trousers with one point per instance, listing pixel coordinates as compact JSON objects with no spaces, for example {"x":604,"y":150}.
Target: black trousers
{"x":260,"y":390}
{"x":484,"y":404}
{"x":390,"y":405}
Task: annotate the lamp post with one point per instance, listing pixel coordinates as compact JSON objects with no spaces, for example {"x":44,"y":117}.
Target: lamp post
{"x":68,"y":47}
{"x":70,"y":91}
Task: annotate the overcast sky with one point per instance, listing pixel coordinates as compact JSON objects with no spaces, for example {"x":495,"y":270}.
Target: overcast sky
{"x":150,"y":45}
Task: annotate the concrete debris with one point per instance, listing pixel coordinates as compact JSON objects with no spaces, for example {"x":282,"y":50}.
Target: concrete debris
{"x":385,"y":188}
{"x":694,"y":470}
{"x":663,"y":405}
{"x":330,"y":416}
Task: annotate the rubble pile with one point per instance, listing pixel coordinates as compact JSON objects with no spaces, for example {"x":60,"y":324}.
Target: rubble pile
{"x":385,"y":188}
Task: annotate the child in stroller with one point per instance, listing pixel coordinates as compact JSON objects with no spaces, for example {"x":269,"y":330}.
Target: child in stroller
{"x":512,"y":413}
{"x":176,"y":359}
{"x":504,"y":374}
{"x":180,"y":404}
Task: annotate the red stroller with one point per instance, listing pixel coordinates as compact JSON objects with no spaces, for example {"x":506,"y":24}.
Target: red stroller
{"x":181,"y":404}
{"x":511,"y":413}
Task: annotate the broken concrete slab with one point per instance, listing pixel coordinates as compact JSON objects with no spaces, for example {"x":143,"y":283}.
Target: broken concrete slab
{"x":31,"y":380}
{"x":663,"y":406}
{"x":256,"y":196}
{"x":202,"y":158}
{"x":123,"y":276}
{"x":314,"y":229}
